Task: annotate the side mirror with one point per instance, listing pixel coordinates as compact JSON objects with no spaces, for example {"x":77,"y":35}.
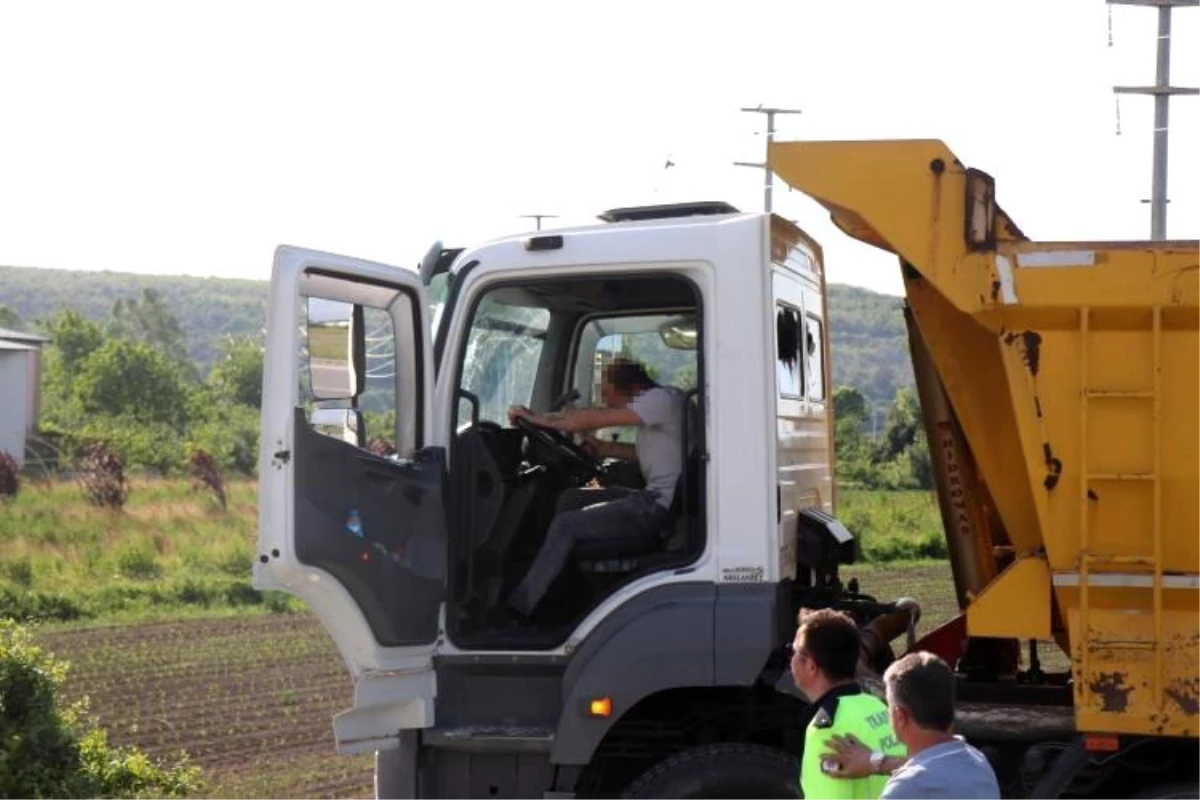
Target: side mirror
{"x":679,"y":333}
{"x":340,"y":423}
{"x":336,"y":349}
{"x":429,"y":262}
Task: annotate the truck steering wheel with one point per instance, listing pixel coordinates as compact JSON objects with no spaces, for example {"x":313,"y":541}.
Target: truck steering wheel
{"x":562,"y":444}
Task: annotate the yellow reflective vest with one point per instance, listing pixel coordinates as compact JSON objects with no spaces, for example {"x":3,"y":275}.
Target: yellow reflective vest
{"x":843,"y":710}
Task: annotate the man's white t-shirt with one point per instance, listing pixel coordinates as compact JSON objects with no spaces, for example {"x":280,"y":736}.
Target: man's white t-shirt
{"x":659,"y":443}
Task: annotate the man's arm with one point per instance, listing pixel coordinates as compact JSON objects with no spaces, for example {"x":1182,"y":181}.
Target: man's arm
{"x":603,"y":449}
{"x":855,"y":758}
{"x":832,"y":785}
{"x":578,"y":420}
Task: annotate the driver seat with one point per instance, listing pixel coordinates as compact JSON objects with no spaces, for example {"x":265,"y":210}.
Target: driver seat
{"x":627,"y":554}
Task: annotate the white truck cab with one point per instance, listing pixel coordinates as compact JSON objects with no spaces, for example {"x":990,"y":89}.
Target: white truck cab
{"x":400,"y":505}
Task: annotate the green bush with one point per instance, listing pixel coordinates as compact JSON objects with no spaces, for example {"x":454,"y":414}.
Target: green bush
{"x":137,"y":562}
{"x":10,"y":476}
{"x":133,"y":379}
{"x":27,"y":606}
{"x":140,"y":443}
{"x":19,"y":570}
{"x":894,"y":526}
{"x":50,"y":749}
{"x":230,"y":434}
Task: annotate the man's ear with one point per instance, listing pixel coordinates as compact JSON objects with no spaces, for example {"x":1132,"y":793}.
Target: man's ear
{"x":810,"y":666}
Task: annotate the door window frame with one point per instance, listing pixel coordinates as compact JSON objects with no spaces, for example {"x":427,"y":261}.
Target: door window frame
{"x":801,"y":367}
{"x":810,"y":317}
{"x":569,"y":374}
{"x":406,"y":356}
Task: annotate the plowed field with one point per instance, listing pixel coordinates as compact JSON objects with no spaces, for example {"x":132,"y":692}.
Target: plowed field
{"x":250,"y":700}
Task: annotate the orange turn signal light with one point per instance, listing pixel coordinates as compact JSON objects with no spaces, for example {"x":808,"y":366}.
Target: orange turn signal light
{"x":600,"y":707}
{"x":1099,"y":743}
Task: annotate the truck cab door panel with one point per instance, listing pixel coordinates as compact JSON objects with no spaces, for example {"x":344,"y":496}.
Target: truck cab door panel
{"x":377,"y":527}
{"x":359,"y":537}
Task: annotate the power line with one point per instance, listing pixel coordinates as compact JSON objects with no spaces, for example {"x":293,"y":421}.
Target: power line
{"x":1162,"y":91}
{"x":768,"y":175}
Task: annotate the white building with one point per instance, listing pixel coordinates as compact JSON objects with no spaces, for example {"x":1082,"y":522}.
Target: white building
{"x":20,"y":377}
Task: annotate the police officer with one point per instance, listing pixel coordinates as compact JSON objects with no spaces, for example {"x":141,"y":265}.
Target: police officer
{"x":824,"y":661}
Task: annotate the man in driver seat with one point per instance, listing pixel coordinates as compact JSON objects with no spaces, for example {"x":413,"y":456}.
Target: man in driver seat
{"x":631,"y":398}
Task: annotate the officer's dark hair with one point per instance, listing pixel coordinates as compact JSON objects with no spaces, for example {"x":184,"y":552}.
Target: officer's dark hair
{"x":832,"y":640}
{"x":923,"y":685}
{"x":629,"y":376}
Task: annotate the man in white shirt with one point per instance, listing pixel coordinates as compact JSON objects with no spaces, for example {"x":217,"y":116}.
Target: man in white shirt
{"x":631,"y":398}
{"x":920,"y":696}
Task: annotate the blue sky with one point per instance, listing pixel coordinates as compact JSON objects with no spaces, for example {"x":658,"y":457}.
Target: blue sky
{"x":193,"y":138}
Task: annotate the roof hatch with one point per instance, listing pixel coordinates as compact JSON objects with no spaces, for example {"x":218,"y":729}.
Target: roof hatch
{"x":667,"y":211}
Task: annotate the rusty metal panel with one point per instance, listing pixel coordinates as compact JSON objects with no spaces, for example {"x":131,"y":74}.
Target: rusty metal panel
{"x":1072,"y":369}
{"x":1119,"y":692}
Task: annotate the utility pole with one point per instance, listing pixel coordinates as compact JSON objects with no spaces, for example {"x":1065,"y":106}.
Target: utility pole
{"x":539,"y":218}
{"x":770,"y":112}
{"x":1162,"y":91}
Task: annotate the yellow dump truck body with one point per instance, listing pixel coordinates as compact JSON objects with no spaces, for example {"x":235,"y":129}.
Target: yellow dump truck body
{"x":1072,"y":369}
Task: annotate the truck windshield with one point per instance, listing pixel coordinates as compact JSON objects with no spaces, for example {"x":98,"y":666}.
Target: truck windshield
{"x":502,"y":356}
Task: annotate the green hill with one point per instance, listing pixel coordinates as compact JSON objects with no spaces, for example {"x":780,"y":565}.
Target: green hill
{"x":869,"y":341}
{"x":870,"y":350}
{"x":207,"y":308}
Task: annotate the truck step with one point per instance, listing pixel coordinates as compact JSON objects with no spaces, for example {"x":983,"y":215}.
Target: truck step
{"x":491,"y":739}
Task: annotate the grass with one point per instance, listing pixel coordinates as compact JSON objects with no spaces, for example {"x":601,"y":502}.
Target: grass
{"x":893,"y":526}
{"x":171,"y":551}
{"x":930,"y":583}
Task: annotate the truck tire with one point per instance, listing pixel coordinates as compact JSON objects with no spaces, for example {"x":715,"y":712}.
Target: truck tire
{"x":721,"y":770}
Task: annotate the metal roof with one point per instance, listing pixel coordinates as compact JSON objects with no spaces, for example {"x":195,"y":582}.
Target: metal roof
{"x":21,"y":336}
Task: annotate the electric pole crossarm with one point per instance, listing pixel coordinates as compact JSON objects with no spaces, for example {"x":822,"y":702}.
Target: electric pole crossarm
{"x":1155,"y":90}
{"x":1155,"y":3}
{"x":770,"y":112}
{"x":1162,"y":91}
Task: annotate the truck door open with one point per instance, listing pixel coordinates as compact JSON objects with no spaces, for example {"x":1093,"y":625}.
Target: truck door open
{"x":355,"y":531}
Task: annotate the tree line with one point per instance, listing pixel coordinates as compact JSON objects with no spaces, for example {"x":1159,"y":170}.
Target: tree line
{"x":134,"y":377}
{"x":867,"y":334}
{"x":128,"y":382}
{"x":880,"y":451}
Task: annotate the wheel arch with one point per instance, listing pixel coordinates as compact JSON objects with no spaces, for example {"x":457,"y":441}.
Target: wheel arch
{"x":692,"y":637}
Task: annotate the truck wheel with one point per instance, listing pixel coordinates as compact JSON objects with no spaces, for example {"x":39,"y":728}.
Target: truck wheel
{"x":721,"y":770}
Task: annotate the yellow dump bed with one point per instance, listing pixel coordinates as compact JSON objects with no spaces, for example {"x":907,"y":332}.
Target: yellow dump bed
{"x":1072,"y":369}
